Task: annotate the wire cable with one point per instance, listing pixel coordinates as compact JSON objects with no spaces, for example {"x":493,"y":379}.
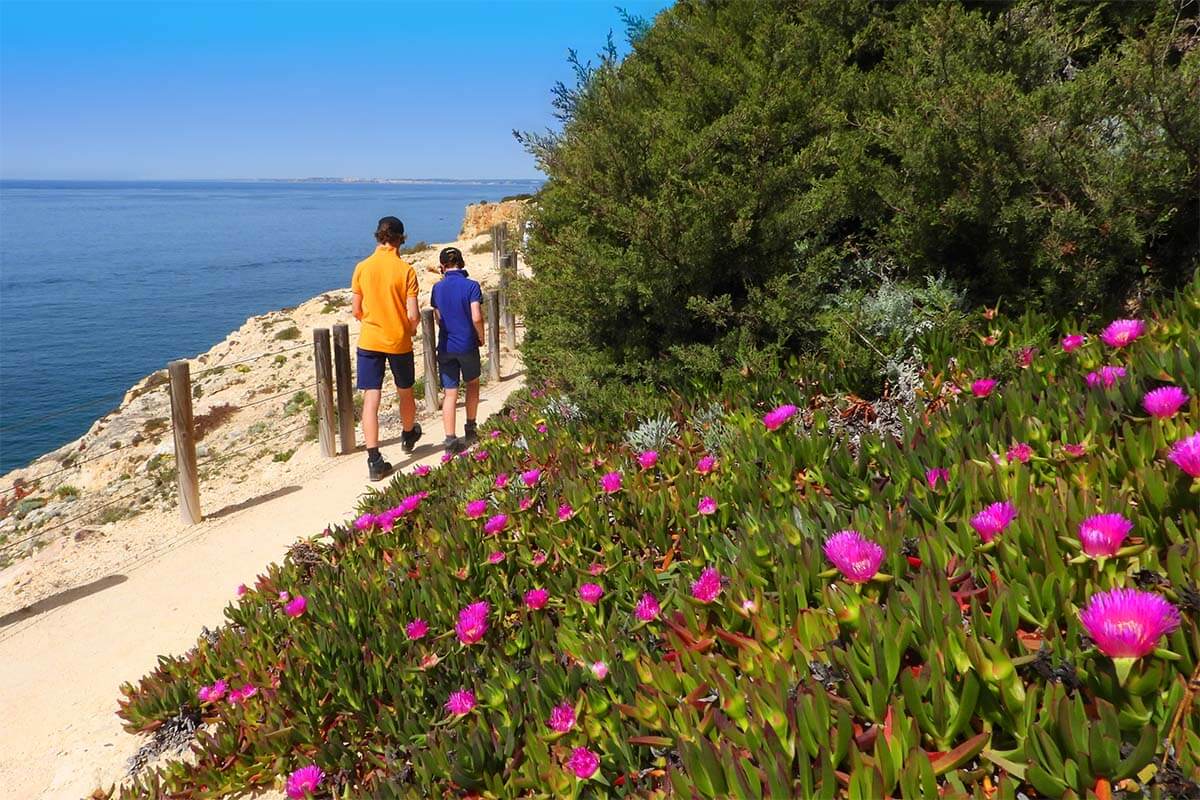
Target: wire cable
{"x":25,"y":482}
{"x":288,"y":393}
{"x":252,"y":445}
{"x":248,"y":359}
{"x":6,"y":546}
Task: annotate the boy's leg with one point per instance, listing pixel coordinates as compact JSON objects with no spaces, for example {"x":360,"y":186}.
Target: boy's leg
{"x":408,"y":408}
{"x":370,"y":418}
{"x":404,"y":371}
{"x":471,"y":368}
{"x":370,"y":381}
{"x":449,"y":411}
{"x":472,"y":400}
{"x":448,"y":371}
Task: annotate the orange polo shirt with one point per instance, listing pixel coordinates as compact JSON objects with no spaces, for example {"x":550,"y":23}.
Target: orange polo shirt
{"x":385,"y":282}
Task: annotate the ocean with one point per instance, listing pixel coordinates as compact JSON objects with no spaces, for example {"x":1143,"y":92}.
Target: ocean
{"x":102,"y":283}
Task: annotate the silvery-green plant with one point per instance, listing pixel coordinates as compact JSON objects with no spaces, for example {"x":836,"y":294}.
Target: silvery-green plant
{"x":653,"y":433}
{"x":709,"y":424}
{"x":564,"y":408}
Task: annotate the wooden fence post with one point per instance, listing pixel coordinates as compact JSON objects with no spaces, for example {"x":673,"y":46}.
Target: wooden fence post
{"x":429,"y":346}
{"x":324,"y":391}
{"x":507,"y":314}
{"x":185,"y":441}
{"x":345,"y":390}
{"x":497,"y":236}
{"x":493,"y":333}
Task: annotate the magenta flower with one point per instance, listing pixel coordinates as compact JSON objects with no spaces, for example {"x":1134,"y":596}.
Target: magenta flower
{"x":542,"y":428}
{"x":284,"y":597}
{"x":525,"y":504}
{"x":416,"y":629}
{"x":476,"y":509}
{"x":1074,"y":450}
{"x":535,"y":599}
{"x":855,"y":556}
{"x":1025,"y":357}
{"x":583,"y":763}
{"x":364,"y":521}
{"x":447,"y":457}
{"x":707,"y":586}
{"x":562,"y":718}
{"x":472,"y":623}
{"x":647,"y":459}
{"x":707,"y":506}
{"x":539,"y":558}
{"x":212,"y":694}
{"x":1102,"y":534}
{"x":1019,"y":452}
{"x":706,"y":465}
{"x":596,"y":568}
{"x":1186,"y":454}
{"x":775,"y":419}
{"x":296,"y":607}
{"x":600,"y":670}
{"x":591,"y":593}
{"x":983,"y":387}
{"x":934,"y":474}
{"x":993,"y":519}
{"x":496,"y":556}
{"x":501,"y":480}
{"x":647,"y":608}
{"x":565,"y":512}
{"x":304,"y":782}
{"x":1122,"y":332}
{"x":1105,"y":376}
{"x":239,"y":696}
{"x":1073,"y":342}
{"x":495,"y":524}
{"x":531,"y":477}
{"x":241,"y":590}
{"x":461,"y":702}
{"x":481,"y":455}
{"x":610,"y":482}
{"x":1127,"y":623}
{"x":1164,"y":402}
{"x":421,"y":470}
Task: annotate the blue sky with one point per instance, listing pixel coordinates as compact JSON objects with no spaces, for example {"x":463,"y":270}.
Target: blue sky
{"x":157,"y":90}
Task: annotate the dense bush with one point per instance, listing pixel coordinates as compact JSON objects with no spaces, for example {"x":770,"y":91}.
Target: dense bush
{"x":702,"y":632}
{"x":752,"y":167}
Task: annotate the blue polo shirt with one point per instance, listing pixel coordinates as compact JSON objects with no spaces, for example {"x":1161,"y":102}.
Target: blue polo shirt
{"x":452,"y":297}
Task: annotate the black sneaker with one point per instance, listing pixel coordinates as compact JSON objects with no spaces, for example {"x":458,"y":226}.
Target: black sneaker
{"x":454,"y":445}
{"x":408,"y":439}
{"x":378,"y":470}
{"x":470,"y":433}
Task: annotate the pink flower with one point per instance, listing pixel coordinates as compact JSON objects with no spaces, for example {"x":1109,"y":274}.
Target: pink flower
{"x":480,"y":455}
{"x":610,"y":482}
{"x":855,"y":556}
{"x":647,"y":459}
{"x":238,"y":696}
{"x":647,"y":608}
{"x":542,"y":428}
{"x":591,"y":593}
{"x":1072,"y":342}
{"x":304,"y":782}
{"x":774,"y":419}
{"x":476,"y":509}
{"x":241,"y":590}
{"x":934,"y":474}
{"x":472,"y":623}
{"x":364,"y":521}
{"x":1019,"y":452}
{"x":583,"y":763}
{"x":495,"y":524}
{"x":1186,"y":455}
{"x":1105,"y":376}
{"x":1121,"y":332}
{"x":525,"y":504}
{"x":421,"y":470}
{"x":531,"y":477}
{"x":296,"y":607}
{"x":749,"y":606}
{"x":447,"y":457}
{"x":495,"y":434}
{"x":539,"y":558}
{"x":993,"y":519}
{"x":565,"y":512}
{"x":1025,"y":357}
{"x":706,"y":465}
{"x":1127,"y":623}
{"x":496,"y":557}
{"x":707,"y":506}
{"x":501,"y":480}
{"x":535,"y":599}
{"x":562,"y":718}
{"x":1164,"y":402}
{"x":284,"y":597}
{"x":416,"y":629}
{"x":461,"y":702}
{"x":600,"y":670}
{"x":596,"y":568}
{"x":707,"y":586}
{"x":1074,"y":450}
{"x":212,"y":694}
{"x":1102,"y":534}
{"x":983,"y":387}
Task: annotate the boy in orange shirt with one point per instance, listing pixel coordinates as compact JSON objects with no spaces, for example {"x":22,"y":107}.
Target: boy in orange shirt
{"x":385,"y":301}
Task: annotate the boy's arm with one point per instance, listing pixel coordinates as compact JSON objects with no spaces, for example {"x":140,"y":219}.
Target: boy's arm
{"x":477,"y":318}
{"x":356,"y":306}
{"x":412,"y":308}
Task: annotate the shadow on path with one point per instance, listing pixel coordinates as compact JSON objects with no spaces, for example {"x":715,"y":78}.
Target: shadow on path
{"x":61,"y":599}
{"x":252,"y":502}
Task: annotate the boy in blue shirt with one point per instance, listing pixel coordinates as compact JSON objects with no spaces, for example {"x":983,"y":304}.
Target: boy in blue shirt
{"x":457,"y":302}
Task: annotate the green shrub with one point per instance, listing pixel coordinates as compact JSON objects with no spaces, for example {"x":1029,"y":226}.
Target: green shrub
{"x":415,"y":248}
{"x":288,"y":334}
{"x":283,"y":456}
{"x":484,"y":246}
{"x":66,"y":492}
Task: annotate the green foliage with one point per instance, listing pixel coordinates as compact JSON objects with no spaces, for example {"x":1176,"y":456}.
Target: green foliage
{"x":66,"y":492}
{"x":484,"y":246}
{"x":415,"y":248}
{"x":752,"y":169}
{"x":288,"y":334}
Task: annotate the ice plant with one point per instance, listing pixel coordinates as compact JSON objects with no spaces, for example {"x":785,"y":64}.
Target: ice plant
{"x":539,"y":558}
{"x":1103,"y":534}
{"x":583,"y":763}
{"x":1019,"y":452}
{"x":993,"y":519}
{"x":416,"y":629}
{"x":855,"y":556}
{"x":536,"y":599}
{"x":364,"y":521}
{"x":1185,"y":454}
{"x":476,"y":509}
{"x":647,"y":608}
{"x":296,"y":606}
{"x":983,"y":387}
{"x":211,"y":694}
{"x":495,"y":434}
{"x":238,"y":696}
{"x":706,"y":465}
{"x":591,"y":593}
{"x":1072,"y":342}
{"x":525,"y":504}
{"x":1074,"y":450}
{"x":707,"y":506}
{"x":304,"y":782}
{"x":707,"y":586}
{"x":1105,"y":376}
{"x":565,"y":512}
{"x":1127,"y":623}
{"x":610,"y":482}
{"x":600,"y":670}
{"x":460,"y":702}
{"x":421,"y":470}
{"x":1025,"y":357}
{"x":596,"y":568}
{"x":1164,"y":402}
{"x":935,"y":474}
{"x":774,"y":419}
{"x":647,"y":459}
{"x":496,"y":556}
{"x":495,"y":524}
{"x":562,"y":718}
{"x":480,"y":455}
{"x":1122,"y":332}
{"x":542,"y":428}
{"x":531,"y":477}
{"x":501,"y":480}
{"x":472,"y":623}
{"x":241,"y":590}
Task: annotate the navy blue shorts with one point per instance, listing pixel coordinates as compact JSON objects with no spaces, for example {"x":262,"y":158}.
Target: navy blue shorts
{"x":371,"y":366}
{"x":453,"y":365}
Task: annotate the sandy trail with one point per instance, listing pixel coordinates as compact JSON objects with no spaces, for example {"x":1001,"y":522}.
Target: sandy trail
{"x":61,"y":663}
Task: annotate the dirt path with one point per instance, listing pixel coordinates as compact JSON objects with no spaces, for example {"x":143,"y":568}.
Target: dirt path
{"x":61,"y":661}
